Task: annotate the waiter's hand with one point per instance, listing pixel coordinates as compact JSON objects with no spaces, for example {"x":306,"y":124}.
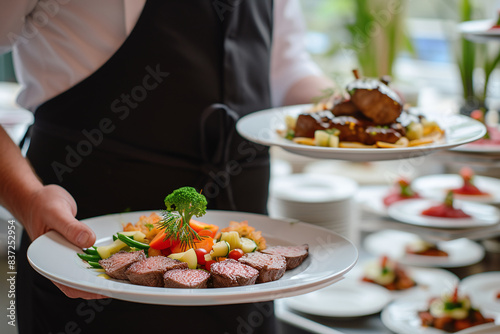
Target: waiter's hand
{"x":53,"y":208}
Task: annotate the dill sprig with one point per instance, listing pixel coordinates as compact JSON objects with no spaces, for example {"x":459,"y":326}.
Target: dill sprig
{"x":175,"y":229}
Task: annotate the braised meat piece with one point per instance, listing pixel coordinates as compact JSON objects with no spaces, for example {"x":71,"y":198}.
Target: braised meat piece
{"x":375,"y":100}
{"x":151,"y":270}
{"x":186,"y":278}
{"x":344,"y":108}
{"x":310,"y":122}
{"x":232,"y":273}
{"x":294,"y":255}
{"x":270,"y":267}
{"x":116,"y":265}
{"x":355,"y":128}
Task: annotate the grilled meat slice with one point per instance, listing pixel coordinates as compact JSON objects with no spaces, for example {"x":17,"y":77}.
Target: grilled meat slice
{"x":344,"y":108}
{"x":116,"y":265}
{"x":186,"y":278}
{"x":294,"y":255}
{"x":151,"y":270}
{"x":232,"y":273}
{"x":270,"y":267}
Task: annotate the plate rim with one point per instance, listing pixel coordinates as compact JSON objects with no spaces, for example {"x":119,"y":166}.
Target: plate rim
{"x":151,"y":295}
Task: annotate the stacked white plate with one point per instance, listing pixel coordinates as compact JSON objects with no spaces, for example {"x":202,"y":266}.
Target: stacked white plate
{"x":322,"y":200}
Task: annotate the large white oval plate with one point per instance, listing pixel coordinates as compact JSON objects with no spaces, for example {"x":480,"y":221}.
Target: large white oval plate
{"x":260,"y":127}
{"x":330,"y":257}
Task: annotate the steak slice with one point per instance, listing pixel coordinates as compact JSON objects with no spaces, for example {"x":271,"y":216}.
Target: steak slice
{"x":294,"y":255}
{"x":116,"y":265}
{"x":151,"y":270}
{"x":270,"y":267}
{"x":186,"y":278}
{"x":232,"y":273}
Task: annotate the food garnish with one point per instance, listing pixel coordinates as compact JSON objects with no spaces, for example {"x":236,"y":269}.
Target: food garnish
{"x":182,"y":204}
{"x":424,"y":248}
{"x":452,"y":313}
{"x":445,"y":209}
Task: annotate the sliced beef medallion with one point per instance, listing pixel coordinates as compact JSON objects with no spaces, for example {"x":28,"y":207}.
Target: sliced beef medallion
{"x":294,"y":255}
{"x":232,"y":273}
{"x":270,"y":267}
{"x":116,"y":265}
{"x":308,"y":123}
{"x":186,"y":278}
{"x":151,"y":270}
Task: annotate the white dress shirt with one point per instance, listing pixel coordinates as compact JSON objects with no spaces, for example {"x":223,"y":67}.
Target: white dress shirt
{"x":58,"y":43}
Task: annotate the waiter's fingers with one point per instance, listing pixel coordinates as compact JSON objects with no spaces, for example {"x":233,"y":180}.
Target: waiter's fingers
{"x":74,"y":293}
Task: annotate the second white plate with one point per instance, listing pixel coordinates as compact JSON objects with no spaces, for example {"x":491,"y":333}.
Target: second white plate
{"x":461,"y":252}
{"x":410,"y":212}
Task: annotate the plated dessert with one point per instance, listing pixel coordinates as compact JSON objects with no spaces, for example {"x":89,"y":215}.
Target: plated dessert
{"x":452,"y":313}
{"x":372,"y":116}
{"x":402,"y":190}
{"x":446,"y":209}
{"x":172,"y":254}
{"x":388,"y":274}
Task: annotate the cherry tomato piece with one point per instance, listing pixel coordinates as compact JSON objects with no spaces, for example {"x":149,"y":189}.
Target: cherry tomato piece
{"x":235,"y":254}
{"x":208,"y":264}
{"x":200,"y":255}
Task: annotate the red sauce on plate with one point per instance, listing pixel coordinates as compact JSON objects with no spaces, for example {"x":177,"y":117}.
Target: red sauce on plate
{"x":444,"y":211}
{"x":468,"y":187}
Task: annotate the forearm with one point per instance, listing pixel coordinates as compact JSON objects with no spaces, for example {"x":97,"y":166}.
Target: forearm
{"x":18,"y":182}
{"x":304,"y":90}
{"x":12,"y":20}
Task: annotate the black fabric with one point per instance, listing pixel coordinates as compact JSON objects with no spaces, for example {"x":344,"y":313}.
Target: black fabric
{"x":158,"y":115}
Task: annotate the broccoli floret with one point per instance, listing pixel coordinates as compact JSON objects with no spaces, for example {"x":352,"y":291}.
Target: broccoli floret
{"x":187,"y":202}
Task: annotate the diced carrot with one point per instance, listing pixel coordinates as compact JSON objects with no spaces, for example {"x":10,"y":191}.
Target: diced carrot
{"x":206,"y":243}
{"x":199,"y":226}
{"x":159,"y":241}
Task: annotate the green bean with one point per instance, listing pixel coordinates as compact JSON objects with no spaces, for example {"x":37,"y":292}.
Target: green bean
{"x":91,"y":251}
{"x":94,"y":264}
{"x":131,"y":242}
{"x":89,"y":257}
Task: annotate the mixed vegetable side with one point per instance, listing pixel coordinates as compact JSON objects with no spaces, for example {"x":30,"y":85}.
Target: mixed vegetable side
{"x":198,"y":244}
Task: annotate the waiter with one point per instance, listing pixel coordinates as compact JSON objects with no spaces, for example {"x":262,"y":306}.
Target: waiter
{"x":132,"y":100}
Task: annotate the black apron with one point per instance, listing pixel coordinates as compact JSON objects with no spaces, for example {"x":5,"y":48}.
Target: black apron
{"x":158,"y":115}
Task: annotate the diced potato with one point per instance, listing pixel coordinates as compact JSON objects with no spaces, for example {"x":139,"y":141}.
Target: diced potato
{"x":108,"y":250}
{"x":290,"y":122}
{"x":321,"y":138}
{"x":415,"y":131}
{"x":188,"y":256}
{"x":333,"y":141}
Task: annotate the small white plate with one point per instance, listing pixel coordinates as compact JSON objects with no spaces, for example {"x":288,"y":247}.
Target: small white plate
{"x":330,"y":257}
{"x":430,"y":281}
{"x":261,"y":126}
{"x":410,"y":212}
{"x":483,"y":289}
{"x":436,"y":187}
{"x":461,"y":252}
{"x":401,"y":316}
{"x":347,"y":298}
{"x":479,"y":30}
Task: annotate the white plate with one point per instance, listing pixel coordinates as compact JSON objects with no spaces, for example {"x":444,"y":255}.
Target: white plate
{"x":401,"y":317}
{"x":409,"y":211}
{"x":331,"y":256}
{"x":430,"y":281}
{"x":261,"y":126}
{"x":483,"y":289}
{"x":371,"y":199}
{"x":461,"y":252}
{"x":436,"y":187}
{"x":479,"y":30}
{"x":347,"y":298}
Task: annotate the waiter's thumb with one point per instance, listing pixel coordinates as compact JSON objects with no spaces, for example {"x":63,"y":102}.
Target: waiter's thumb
{"x":62,"y":218}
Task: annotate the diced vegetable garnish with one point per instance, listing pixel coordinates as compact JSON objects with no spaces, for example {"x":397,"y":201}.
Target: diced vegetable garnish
{"x":232,"y":238}
{"x":188,"y":256}
{"x":221,"y":248}
{"x":248,"y":245}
